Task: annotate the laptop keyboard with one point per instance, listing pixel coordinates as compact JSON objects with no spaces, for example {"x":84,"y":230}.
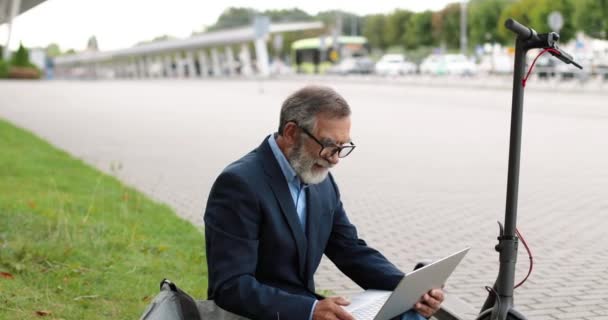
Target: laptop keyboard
{"x":369,"y":311}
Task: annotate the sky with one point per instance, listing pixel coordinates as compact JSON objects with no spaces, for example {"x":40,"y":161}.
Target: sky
{"x":122,"y":23}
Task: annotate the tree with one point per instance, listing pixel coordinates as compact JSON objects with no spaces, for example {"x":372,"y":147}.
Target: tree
{"x":418,"y":30}
{"x":394,"y":29}
{"x":92,"y":44}
{"x":539,"y":15}
{"x":535,"y":13}
{"x":446,"y":25}
{"x":3,"y":69}
{"x":373,"y":28}
{"x":591,"y":16}
{"x":234,"y":17}
{"x":519,"y":11}
{"x":483,"y":19}
{"x":287,"y":15}
{"x":53,"y":50}
{"x":329,"y":19}
{"x":21,"y":58}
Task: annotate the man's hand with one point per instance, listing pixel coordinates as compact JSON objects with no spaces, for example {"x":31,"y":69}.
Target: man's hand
{"x":430,"y":303}
{"x":330,"y":309}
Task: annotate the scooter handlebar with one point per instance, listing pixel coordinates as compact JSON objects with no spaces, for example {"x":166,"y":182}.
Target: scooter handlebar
{"x":535,"y":40}
{"x":521,"y":30}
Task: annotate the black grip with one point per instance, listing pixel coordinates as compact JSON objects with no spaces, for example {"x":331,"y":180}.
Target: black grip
{"x":521,"y":30}
{"x":564,"y":55}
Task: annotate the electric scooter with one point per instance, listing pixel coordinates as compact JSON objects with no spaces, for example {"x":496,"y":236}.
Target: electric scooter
{"x":500,"y":305}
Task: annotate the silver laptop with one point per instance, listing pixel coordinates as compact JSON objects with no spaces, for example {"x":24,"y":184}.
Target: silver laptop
{"x":384,"y":305}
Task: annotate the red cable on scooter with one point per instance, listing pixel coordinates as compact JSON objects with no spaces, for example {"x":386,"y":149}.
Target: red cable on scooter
{"x":523,"y":81}
{"x":529,"y":256}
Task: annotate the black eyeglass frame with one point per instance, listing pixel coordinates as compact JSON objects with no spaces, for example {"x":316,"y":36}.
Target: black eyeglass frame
{"x":333,"y":148}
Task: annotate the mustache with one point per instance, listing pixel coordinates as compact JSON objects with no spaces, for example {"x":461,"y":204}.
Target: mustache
{"x":324,"y":163}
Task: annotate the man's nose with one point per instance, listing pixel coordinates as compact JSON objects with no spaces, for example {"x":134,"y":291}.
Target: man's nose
{"x":334,"y":159}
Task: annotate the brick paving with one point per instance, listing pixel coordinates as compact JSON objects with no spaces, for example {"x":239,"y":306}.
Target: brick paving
{"x":428,"y":176}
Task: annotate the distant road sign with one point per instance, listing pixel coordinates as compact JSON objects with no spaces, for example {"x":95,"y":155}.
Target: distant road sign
{"x":556,"y":21}
{"x":261,"y":26}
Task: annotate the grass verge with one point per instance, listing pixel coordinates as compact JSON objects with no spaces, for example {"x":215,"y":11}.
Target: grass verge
{"x":75,"y":243}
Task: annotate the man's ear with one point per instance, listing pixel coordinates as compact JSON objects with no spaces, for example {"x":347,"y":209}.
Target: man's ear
{"x":290,"y":132}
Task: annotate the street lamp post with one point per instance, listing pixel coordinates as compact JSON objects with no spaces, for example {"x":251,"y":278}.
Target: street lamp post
{"x":463,"y":27}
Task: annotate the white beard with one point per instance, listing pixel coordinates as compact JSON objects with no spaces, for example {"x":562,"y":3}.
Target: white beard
{"x":303,"y":164}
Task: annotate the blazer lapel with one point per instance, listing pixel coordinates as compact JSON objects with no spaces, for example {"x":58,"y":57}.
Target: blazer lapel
{"x":279,"y":187}
{"x":315,"y":229}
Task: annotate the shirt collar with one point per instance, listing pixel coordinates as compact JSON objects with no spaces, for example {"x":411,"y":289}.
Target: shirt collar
{"x":288,"y":172}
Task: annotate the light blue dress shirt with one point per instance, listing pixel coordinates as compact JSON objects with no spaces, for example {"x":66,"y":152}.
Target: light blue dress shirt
{"x":296,"y":187}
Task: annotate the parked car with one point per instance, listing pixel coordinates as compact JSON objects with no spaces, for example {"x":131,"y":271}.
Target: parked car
{"x":497,"y":64}
{"x":600,"y":66}
{"x":452,"y":64}
{"x":432,"y":65}
{"x":395,"y":64}
{"x":459,"y":64}
{"x":353,"y":65}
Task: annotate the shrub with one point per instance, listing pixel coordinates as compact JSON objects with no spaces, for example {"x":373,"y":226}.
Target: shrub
{"x":21,"y":58}
{"x":3,"y":69}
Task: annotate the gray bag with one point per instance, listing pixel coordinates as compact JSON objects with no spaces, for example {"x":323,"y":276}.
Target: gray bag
{"x":174,"y":304}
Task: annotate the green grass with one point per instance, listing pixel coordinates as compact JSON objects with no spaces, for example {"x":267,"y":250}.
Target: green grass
{"x":80,"y":244}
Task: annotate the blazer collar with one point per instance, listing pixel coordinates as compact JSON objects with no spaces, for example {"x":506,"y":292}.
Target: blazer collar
{"x":315,"y":228}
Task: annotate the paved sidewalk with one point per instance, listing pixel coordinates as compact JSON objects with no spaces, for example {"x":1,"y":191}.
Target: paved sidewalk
{"x":428,"y":176}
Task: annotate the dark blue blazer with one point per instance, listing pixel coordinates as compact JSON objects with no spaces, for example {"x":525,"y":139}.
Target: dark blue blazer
{"x":260,"y":260}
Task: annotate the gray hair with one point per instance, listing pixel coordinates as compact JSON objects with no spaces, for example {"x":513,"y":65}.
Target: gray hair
{"x":305,"y":104}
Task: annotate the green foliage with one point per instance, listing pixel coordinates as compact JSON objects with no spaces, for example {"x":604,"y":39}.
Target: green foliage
{"x":80,"y":244}
{"x":53,"y":50}
{"x":591,"y":16}
{"x":286,"y":15}
{"x":3,"y":69}
{"x":539,"y":14}
{"x":446,"y":25}
{"x":409,"y":30}
{"x":535,"y":13}
{"x":395,"y":25}
{"x":373,"y":28}
{"x":329,"y":19}
{"x":518,"y":11}
{"x":483,"y":18}
{"x":419,"y":30}
{"x":234,"y":17}
{"x":21,"y":58}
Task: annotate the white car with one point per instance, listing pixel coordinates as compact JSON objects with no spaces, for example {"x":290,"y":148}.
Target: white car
{"x":459,"y":64}
{"x":501,"y":64}
{"x":432,"y":65}
{"x":452,"y":64}
{"x":352,"y":65}
{"x":395,"y":64}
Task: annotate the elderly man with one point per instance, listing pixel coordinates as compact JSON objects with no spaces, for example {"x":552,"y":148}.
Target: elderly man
{"x":272,"y":214}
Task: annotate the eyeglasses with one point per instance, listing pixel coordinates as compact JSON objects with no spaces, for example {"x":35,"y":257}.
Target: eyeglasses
{"x":329,"y":150}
